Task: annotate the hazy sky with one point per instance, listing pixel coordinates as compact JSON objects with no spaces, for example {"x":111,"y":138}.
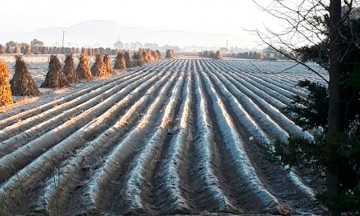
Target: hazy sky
{"x":209,"y":16}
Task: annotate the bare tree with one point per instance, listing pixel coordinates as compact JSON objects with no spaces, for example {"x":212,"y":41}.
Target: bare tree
{"x":319,"y":25}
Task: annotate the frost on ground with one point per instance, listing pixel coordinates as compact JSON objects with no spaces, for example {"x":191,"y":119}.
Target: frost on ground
{"x":180,"y":136}
{"x":38,"y":68}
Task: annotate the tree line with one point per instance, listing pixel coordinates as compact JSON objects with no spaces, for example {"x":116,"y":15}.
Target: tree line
{"x":13,"y":47}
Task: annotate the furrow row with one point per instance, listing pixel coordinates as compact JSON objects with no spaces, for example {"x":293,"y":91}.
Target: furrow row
{"x":179,"y":136}
{"x":274,"y":98}
{"x":253,"y":78}
{"x":284,"y":85}
{"x":256,"y":123}
{"x":119,"y":160}
{"x":272,"y":113}
{"x":139,"y":177}
{"x":49,"y":119}
{"x":243,"y":175}
{"x":292,"y":178}
{"x":169,"y":179}
{"x":205,"y":185}
{"x":72,"y":170}
{"x":15,"y":160}
{"x":25,"y":114}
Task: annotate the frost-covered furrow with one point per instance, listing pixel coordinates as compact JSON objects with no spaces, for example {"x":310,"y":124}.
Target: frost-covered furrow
{"x":258,"y":124}
{"x":270,"y":96}
{"x":283,"y":85}
{"x":242,"y":66}
{"x":241,"y":108}
{"x":138,"y":191}
{"x":170,"y":65}
{"x":291,"y":175}
{"x":295,"y":77}
{"x":203,"y":189}
{"x":281,"y":77}
{"x":168,"y":196}
{"x":180,"y":136}
{"x":119,"y":158}
{"x":155,"y":65}
{"x":247,"y":98}
{"x":58,"y":191}
{"x":275,"y":114}
{"x":42,"y":165}
{"x":229,"y":65}
{"x":248,"y":66}
{"x":270,"y":68}
{"x":243,"y":178}
{"x":253,"y":77}
{"x":295,"y":179}
{"x":63,"y":111}
{"x":291,"y":82}
{"x":70,"y":116}
{"x":285,"y":78}
{"x":282,"y":82}
{"x":13,"y":161}
{"x":273,"y":97}
{"x":25,"y":114}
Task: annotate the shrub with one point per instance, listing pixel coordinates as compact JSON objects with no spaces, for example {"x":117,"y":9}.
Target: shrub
{"x":311,"y":114}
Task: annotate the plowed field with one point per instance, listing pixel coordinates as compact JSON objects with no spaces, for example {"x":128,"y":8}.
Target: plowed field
{"x":184,"y":136}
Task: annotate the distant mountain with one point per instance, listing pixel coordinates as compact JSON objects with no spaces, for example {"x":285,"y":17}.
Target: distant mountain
{"x":106,"y":33}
